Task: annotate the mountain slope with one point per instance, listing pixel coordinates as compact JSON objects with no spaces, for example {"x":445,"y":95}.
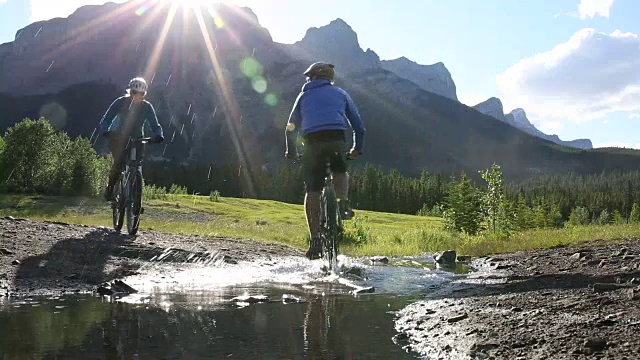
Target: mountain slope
{"x":226,"y":96}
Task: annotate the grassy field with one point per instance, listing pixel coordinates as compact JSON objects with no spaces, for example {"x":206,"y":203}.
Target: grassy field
{"x":371,"y":233}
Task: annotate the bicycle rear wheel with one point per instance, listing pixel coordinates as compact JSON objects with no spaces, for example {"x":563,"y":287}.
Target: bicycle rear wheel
{"x":331,"y":220}
{"x":134,"y":202}
{"x":118,"y":204}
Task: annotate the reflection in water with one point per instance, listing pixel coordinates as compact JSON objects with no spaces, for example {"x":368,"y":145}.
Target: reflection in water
{"x":186,"y":312}
{"x":30,"y":328}
{"x":323,"y":327}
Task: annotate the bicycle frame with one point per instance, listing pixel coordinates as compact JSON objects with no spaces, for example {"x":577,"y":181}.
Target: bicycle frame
{"x":331,"y":221}
{"x":130,"y":185}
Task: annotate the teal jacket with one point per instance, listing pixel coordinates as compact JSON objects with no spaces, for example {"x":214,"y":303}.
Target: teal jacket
{"x":127,"y":119}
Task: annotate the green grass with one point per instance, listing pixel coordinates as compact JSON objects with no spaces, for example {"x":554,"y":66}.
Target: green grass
{"x":372,"y":233}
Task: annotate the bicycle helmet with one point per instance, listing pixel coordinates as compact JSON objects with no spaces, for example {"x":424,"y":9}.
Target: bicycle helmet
{"x":321,"y":70}
{"x":138,"y":85}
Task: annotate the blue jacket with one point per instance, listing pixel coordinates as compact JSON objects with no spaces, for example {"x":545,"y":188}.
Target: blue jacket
{"x":321,"y":106}
{"x":127,"y":119}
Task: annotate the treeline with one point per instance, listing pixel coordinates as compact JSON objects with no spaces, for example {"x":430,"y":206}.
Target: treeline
{"x":35,"y":158}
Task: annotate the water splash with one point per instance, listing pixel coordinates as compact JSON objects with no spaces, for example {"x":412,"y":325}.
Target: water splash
{"x":210,"y":270}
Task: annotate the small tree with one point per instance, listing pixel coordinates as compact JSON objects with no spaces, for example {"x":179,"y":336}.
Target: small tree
{"x":604,"y":218}
{"x":634,"y":218}
{"x":618,"y":219}
{"x":524,"y":216}
{"x":579,"y":216}
{"x":3,"y":144}
{"x":493,"y":200}
{"x":555,"y":216}
{"x":464,"y":207}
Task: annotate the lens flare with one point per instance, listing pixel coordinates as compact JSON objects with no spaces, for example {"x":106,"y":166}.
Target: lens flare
{"x":271,"y":99}
{"x":250,"y":67}
{"x":259,"y":84}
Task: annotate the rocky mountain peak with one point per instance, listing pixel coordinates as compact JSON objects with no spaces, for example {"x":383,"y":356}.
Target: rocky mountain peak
{"x":434,"y":78}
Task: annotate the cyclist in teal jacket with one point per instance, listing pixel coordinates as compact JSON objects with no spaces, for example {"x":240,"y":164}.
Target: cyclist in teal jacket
{"x":125,"y":118}
{"x":322,"y":113}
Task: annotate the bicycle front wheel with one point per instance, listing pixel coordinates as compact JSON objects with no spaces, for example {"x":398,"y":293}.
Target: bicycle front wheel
{"x":118,"y":205}
{"x":331,"y":222}
{"x":134,"y":202}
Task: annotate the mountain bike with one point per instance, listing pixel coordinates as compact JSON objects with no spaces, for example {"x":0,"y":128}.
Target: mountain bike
{"x":331,"y":229}
{"x":331,"y":219}
{"x":127,"y":191}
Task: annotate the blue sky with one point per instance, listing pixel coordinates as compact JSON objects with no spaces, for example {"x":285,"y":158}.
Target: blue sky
{"x":573,"y":65}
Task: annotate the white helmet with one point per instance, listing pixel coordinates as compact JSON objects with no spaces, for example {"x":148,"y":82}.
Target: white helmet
{"x":138,"y":85}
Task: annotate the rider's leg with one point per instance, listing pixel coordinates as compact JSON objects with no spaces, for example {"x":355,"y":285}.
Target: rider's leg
{"x":312,"y":211}
{"x":341,"y":184}
{"x":116,"y":167}
{"x":340,"y":178}
{"x":314,"y":169}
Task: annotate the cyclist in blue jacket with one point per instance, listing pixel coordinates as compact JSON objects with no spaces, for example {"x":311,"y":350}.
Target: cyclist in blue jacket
{"x":322,"y":113}
{"x":125,"y":118}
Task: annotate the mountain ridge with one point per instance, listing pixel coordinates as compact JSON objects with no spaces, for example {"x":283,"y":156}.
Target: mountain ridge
{"x":235,"y":109}
{"x":518,"y":118}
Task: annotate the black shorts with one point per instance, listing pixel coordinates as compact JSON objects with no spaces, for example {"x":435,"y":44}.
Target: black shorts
{"x":322,"y":149}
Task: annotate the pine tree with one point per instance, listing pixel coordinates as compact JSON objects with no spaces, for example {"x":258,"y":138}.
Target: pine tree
{"x":464,"y":207}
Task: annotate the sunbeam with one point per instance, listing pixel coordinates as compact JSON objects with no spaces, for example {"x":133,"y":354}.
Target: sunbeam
{"x":231,"y":120}
{"x":157,"y":50}
{"x":86,"y":31}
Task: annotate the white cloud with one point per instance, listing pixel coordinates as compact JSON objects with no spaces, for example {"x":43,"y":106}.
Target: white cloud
{"x":587,"y":77}
{"x":588,"y":9}
{"x":619,"y":144}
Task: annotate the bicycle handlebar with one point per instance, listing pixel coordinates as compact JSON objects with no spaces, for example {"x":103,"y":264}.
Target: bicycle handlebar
{"x":348,"y":157}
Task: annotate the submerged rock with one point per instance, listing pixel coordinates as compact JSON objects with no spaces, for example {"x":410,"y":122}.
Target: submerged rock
{"x":251,"y":299}
{"x":447,"y":257}
{"x":355,"y":271}
{"x":116,"y":287}
{"x":290,"y":299}
{"x":364,"y":290}
{"x":380,"y":259}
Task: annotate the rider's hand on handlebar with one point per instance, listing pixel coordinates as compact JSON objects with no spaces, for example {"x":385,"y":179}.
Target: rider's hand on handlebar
{"x":158,"y":139}
{"x":292,"y":156}
{"x":354,"y":154}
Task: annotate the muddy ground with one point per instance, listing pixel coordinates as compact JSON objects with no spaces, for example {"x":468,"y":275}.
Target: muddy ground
{"x":44,"y":257}
{"x":562,"y":303}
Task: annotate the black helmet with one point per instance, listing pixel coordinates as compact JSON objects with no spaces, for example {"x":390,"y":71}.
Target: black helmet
{"x":321,"y":70}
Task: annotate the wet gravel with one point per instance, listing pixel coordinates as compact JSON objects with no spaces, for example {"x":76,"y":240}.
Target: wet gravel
{"x":39,"y":258}
{"x":563,"y":303}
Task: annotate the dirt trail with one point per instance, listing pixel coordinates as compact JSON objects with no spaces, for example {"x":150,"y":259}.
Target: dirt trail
{"x":563,"y":303}
{"x":45,"y":257}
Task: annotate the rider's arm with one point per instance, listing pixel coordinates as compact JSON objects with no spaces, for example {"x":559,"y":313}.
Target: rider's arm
{"x":108,"y":116}
{"x":295,"y":119}
{"x":152,"y":118}
{"x":356,"y":123}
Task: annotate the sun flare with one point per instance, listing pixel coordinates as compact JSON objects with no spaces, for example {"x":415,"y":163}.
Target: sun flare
{"x":193,"y":4}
